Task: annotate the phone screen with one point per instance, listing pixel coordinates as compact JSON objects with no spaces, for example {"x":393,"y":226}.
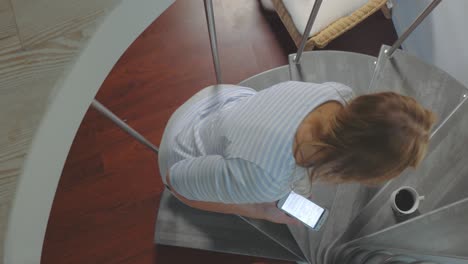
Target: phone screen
{"x":303,"y":209}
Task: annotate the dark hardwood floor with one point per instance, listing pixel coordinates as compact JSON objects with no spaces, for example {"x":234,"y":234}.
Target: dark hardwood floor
{"x":107,"y":199}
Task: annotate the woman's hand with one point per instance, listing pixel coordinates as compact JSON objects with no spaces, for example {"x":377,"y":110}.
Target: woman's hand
{"x":272,"y":213}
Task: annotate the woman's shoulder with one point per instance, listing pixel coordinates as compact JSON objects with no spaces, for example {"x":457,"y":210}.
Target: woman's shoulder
{"x":306,"y":90}
{"x":345,"y":92}
{"x":297,"y":84}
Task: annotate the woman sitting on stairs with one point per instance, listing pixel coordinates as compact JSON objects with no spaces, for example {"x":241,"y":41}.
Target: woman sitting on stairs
{"x":230,"y":149}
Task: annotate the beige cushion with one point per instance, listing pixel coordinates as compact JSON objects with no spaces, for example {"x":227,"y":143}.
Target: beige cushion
{"x":330,"y":11}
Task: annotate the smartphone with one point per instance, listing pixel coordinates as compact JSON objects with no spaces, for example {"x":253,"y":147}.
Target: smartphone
{"x":303,"y":210}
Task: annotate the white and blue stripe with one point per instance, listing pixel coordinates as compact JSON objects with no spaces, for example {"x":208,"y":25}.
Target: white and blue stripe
{"x":235,"y":146}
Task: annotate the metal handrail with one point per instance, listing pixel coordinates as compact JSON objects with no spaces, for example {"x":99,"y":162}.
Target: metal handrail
{"x":308,"y":28}
{"x":413,"y":26}
{"x":213,"y":42}
{"x":120,"y":123}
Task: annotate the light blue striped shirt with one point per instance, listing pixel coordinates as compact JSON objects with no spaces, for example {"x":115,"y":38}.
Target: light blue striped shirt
{"x":237,"y":146}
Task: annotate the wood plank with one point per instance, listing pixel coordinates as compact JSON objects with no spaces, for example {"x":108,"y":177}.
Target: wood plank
{"x":54,"y":33}
{"x":10,"y":45}
{"x":24,"y":95}
{"x":4,"y":210}
{"x":27,"y":83}
{"x":43,"y":20}
{"x":7,"y":20}
{"x":9,"y":38}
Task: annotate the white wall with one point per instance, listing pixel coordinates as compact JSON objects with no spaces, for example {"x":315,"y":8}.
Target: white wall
{"x":442,"y":38}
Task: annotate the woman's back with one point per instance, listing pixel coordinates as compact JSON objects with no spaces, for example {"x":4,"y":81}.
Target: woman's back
{"x":241,"y":141}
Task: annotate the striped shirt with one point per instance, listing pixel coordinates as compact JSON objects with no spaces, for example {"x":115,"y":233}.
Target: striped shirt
{"x":236,"y":146}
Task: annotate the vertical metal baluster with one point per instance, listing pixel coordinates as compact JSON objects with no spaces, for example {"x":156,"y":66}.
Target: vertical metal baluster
{"x":413,"y":26}
{"x":305,"y":36}
{"x":212,"y":32}
{"x":120,"y":123}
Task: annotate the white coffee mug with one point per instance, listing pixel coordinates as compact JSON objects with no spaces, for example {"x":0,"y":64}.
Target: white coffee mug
{"x":405,"y":200}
